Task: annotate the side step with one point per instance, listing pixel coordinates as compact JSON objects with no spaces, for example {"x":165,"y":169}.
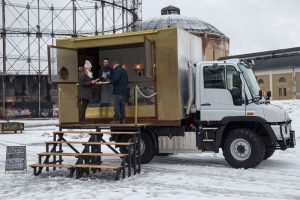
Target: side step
{"x":207,"y":139}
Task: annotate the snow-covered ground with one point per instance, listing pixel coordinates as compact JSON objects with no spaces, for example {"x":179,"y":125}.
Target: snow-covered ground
{"x":182,"y":176}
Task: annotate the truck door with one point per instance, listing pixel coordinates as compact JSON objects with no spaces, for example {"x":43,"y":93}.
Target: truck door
{"x":63,"y":70}
{"x":222,"y":92}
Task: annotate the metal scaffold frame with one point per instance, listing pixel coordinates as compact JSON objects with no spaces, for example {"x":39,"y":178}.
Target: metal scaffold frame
{"x":27,"y":29}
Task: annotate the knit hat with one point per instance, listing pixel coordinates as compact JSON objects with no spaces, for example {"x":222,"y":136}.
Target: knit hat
{"x":87,"y":64}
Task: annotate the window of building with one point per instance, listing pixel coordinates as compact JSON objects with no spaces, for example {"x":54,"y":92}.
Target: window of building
{"x":282,"y":80}
{"x":260,"y":81}
{"x":280,"y":92}
{"x":284,"y":92}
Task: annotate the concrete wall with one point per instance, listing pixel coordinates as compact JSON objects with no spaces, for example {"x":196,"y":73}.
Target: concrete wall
{"x":297,"y":77}
{"x":264,"y":82}
{"x":269,"y":80}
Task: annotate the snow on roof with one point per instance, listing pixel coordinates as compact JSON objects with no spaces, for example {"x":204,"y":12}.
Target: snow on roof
{"x":190,"y":24}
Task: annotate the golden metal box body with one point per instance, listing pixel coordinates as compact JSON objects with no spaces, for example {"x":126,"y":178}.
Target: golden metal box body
{"x":172,"y":49}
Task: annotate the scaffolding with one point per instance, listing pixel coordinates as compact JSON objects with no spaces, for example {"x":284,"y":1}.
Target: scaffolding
{"x":28,"y":28}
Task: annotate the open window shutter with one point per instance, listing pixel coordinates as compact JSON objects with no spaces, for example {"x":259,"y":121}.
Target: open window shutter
{"x":62,"y":65}
{"x":150,"y":58}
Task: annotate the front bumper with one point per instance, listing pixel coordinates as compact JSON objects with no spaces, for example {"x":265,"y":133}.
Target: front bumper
{"x":285,"y":135}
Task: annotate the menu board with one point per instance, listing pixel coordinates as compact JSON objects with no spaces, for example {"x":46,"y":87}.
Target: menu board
{"x":15,"y":158}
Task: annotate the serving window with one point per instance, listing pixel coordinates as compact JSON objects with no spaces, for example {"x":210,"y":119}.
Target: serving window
{"x":137,"y":60}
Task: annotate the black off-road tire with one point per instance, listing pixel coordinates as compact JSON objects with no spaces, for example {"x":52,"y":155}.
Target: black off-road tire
{"x":149,"y":151}
{"x":269,"y":151}
{"x":254,"y":143}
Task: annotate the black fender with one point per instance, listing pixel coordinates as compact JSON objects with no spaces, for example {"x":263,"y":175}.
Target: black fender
{"x":226,"y":121}
{"x":148,"y":130}
{"x":151,"y":132}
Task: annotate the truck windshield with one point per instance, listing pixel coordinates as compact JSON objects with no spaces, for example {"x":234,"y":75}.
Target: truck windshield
{"x":251,"y":81}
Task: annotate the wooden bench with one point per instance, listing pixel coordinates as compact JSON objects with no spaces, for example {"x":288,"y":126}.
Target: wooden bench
{"x":91,"y":143}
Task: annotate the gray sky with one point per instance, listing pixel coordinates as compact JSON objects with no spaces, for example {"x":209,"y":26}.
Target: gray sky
{"x":251,"y":25}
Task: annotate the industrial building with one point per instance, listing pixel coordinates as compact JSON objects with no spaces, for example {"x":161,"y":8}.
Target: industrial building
{"x":27,"y":28}
{"x":277,"y":71}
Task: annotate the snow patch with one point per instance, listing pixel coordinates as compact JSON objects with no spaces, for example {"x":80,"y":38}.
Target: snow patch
{"x":183,"y":176}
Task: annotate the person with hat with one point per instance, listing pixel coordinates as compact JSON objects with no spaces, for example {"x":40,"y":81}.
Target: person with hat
{"x":85,"y":91}
{"x":119,"y":82}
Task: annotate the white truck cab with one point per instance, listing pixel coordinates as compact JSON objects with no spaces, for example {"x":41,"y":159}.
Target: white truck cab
{"x":229,"y":100}
{"x":225,"y":109}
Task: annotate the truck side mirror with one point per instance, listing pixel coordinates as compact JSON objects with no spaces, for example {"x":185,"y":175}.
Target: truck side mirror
{"x":237,"y":96}
{"x":236,"y":80}
{"x":269,"y":94}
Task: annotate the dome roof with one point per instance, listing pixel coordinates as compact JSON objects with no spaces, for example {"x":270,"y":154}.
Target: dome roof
{"x":171,"y":17}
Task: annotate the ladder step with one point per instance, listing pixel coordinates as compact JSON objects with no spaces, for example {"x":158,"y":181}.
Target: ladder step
{"x":51,"y":165}
{"x":208,"y":140}
{"x":81,"y":154}
{"x":114,"y":167}
{"x":210,"y":128}
{"x":90,"y":143}
{"x":96,"y":133}
{"x":97,"y":166}
{"x":77,"y":125}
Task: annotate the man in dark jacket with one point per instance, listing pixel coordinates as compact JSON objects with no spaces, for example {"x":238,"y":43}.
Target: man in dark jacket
{"x":105,"y":72}
{"x":119,"y":82}
{"x":84,"y":91}
{"x":105,"y":75}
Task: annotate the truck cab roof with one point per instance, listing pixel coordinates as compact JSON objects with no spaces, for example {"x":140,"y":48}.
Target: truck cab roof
{"x":231,"y":61}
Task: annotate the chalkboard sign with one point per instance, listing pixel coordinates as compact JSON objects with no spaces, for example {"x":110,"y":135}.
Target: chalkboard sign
{"x":15,"y":158}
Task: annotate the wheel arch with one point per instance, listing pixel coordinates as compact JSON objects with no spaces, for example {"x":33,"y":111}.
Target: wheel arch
{"x":151,"y":132}
{"x":148,"y":130}
{"x":255,"y":123}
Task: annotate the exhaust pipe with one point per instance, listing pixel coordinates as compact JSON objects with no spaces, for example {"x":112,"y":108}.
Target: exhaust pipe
{"x":191,"y":83}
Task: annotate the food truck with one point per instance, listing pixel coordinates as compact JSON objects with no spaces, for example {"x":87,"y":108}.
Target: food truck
{"x":186,"y":105}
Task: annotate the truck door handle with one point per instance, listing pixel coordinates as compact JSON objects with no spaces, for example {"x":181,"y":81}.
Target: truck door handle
{"x":206,"y":104}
